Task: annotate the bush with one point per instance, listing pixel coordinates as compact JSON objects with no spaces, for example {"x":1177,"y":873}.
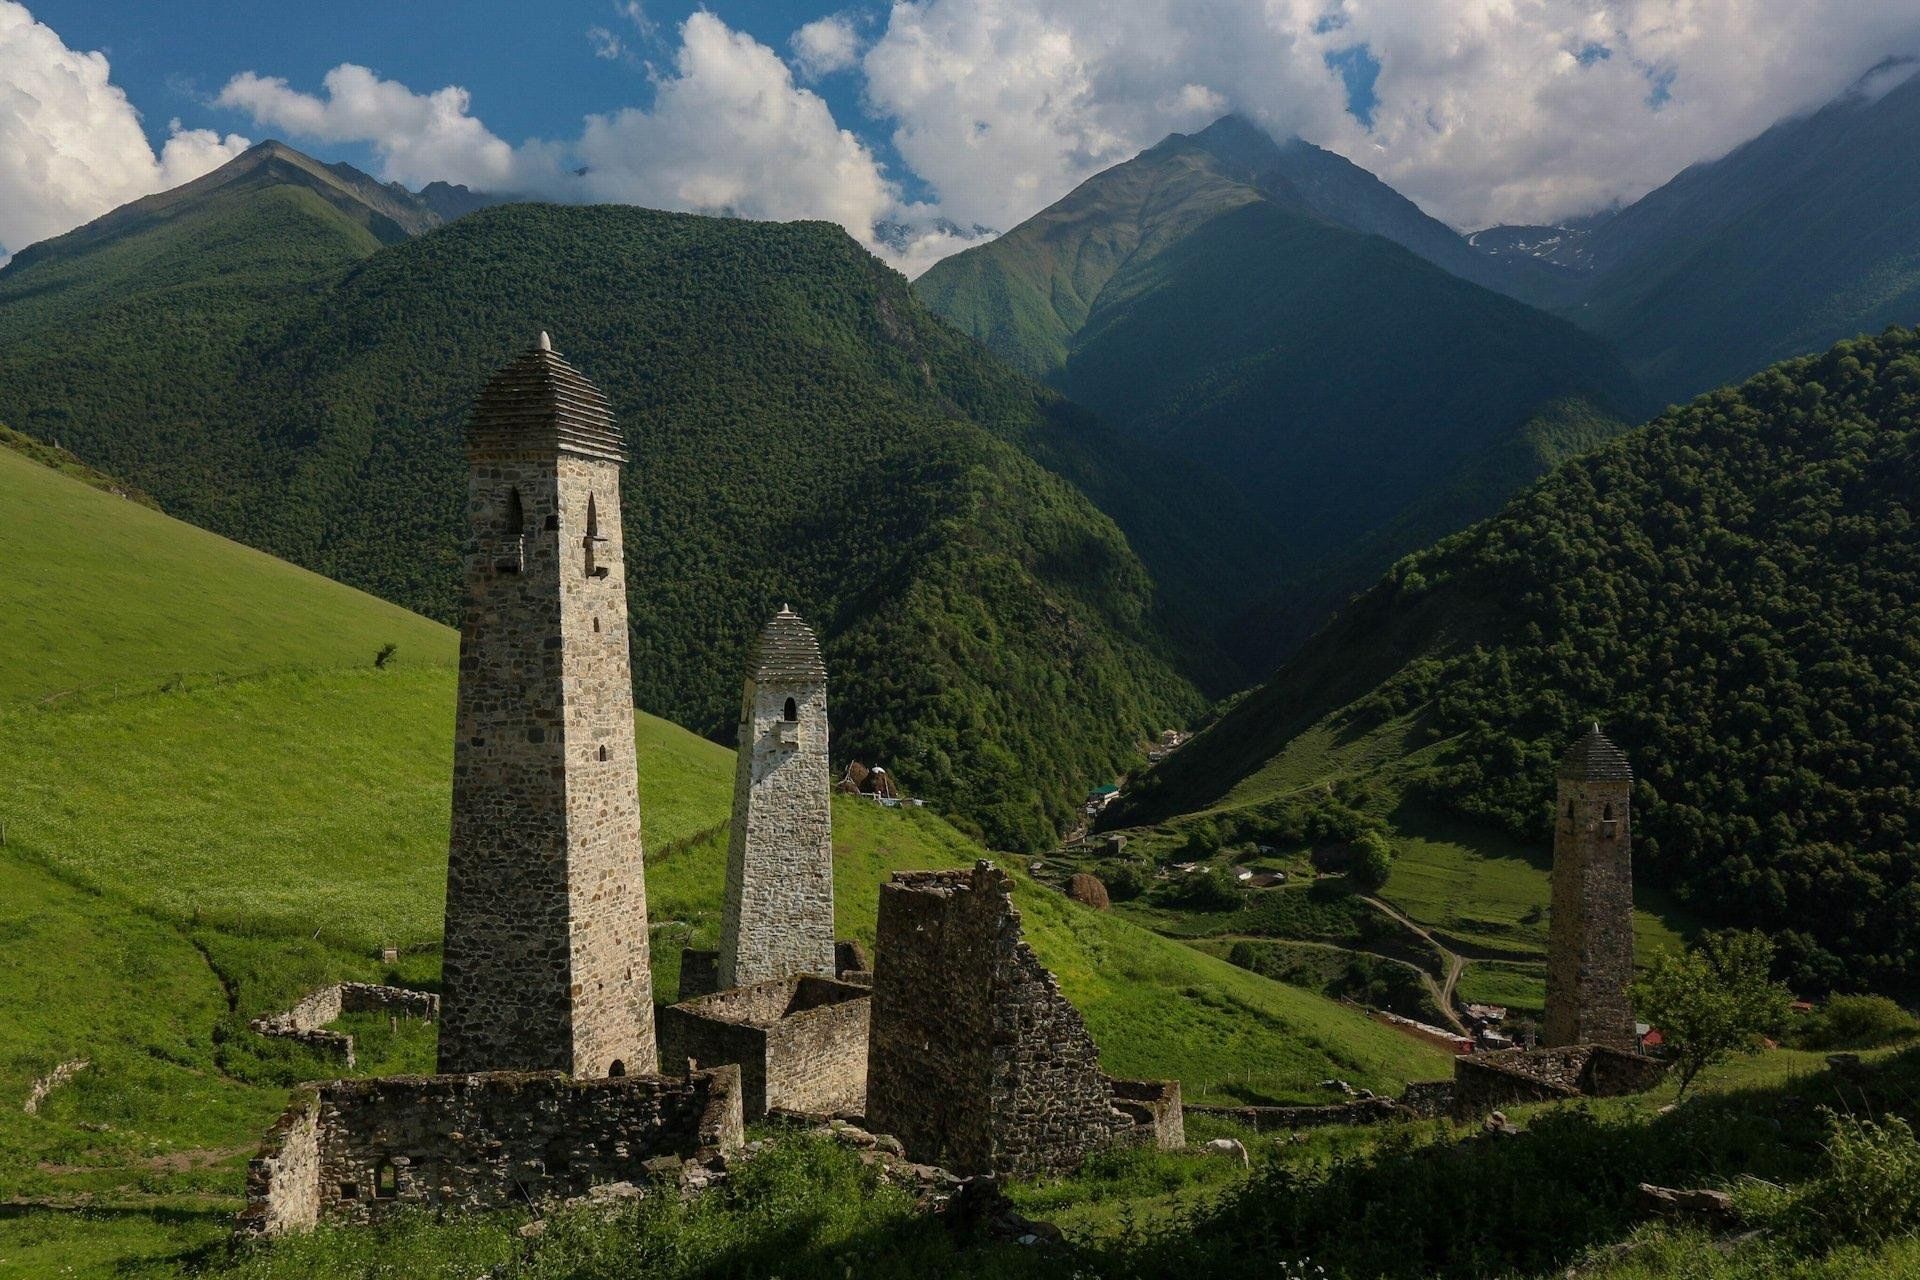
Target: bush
{"x":1210,"y":890}
{"x":1869,"y":1192}
{"x":1127,"y":881}
{"x":1857,"y":1022}
{"x":1371,"y":862}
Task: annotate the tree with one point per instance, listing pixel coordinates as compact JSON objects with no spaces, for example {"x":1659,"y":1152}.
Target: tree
{"x":1713,"y":1000}
{"x":1370,"y":862}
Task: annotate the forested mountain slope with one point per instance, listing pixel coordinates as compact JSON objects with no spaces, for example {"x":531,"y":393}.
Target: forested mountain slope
{"x":1734,"y":591}
{"x":1207,"y":297}
{"x":801,"y":430}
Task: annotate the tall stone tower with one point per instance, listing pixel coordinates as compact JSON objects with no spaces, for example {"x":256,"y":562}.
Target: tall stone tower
{"x":546,"y":963}
{"x":1590,"y":944}
{"x":779,"y":909}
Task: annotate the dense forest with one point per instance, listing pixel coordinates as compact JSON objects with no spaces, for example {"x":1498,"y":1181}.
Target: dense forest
{"x":800,"y":430}
{"x":1732,"y":592}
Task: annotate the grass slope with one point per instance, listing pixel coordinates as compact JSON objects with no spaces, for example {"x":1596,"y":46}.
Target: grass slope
{"x":237,"y":806}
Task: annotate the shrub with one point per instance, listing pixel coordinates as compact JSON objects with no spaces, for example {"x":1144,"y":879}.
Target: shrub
{"x":1869,"y":1192}
{"x":1126,"y":881}
{"x":1857,"y":1022}
{"x":1371,"y":862}
{"x":1210,"y":890}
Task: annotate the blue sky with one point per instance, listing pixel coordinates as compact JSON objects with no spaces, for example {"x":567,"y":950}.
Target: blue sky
{"x":532,"y":69}
{"x":927,"y":115}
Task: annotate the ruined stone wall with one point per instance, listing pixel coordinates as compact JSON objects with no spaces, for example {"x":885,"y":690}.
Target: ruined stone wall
{"x":1154,"y":1107}
{"x":283,"y":1180}
{"x":817,"y":1058}
{"x":1590,"y":934}
{"x":976,"y":1062}
{"x":306,"y":1023}
{"x":546,"y":963}
{"x":1489,"y":1081}
{"x":354,"y":1150}
{"x":800,"y":1043}
{"x":777,"y":919}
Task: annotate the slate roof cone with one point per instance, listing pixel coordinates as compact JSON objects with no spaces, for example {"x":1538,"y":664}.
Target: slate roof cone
{"x":787,"y":652}
{"x":1594,"y":758}
{"x":541,"y":402}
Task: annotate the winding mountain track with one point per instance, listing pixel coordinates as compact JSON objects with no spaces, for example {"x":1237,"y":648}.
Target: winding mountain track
{"x":1452,"y":961}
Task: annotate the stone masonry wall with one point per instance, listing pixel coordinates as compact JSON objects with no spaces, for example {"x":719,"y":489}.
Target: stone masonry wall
{"x":546,"y":963}
{"x":307,"y":1021}
{"x":976,"y":1061}
{"x":354,"y":1150}
{"x":777,"y":918}
{"x":1486,"y":1082}
{"x":1590,"y":933}
{"x":800,"y":1043}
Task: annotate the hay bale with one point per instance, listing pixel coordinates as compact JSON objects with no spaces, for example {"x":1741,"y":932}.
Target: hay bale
{"x":1087,"y":889}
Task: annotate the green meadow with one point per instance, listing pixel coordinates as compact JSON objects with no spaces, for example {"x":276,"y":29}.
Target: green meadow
{"x":213,"y":800}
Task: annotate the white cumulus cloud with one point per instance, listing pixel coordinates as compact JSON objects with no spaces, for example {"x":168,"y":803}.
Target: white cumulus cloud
{"x":1487,"y":110}
{"x":826,"y":45}
{"x":71,"y":145}
{"x":729,"y":131}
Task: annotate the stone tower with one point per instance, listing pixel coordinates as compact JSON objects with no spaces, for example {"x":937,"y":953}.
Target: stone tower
{"x":546,"y":963}
{"x":1590,"y":945}
{"x":779,"y":909}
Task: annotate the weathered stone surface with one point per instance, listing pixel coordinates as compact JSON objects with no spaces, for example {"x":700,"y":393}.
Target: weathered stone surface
{"x":546,"y":964}
{"x":777,"y":920}
{"x":977,"y":1062}
{"x":800,"y":1043}
{"x":1701,"y":1202}
{"x":353,"y":1150}
{"x":1590,"y":934}
{"x":307,"y":1021}
{"x":1483,"y":1082}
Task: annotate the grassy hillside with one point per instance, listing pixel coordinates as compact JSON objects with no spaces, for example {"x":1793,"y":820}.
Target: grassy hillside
{"x":233,"y":805}
{"x":1206,"y":297}
{"x":1731,"y":592}
{"x":800,"y":428}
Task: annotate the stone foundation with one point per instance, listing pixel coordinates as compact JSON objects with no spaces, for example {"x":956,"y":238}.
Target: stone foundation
{"x":1486,"y":1082}
{"x":1154,"y":1107}
{"x":307,"y":1021}
{"x":800,"y":1043}
{"x":354,"y":1150}
{"x":977,"y":1062}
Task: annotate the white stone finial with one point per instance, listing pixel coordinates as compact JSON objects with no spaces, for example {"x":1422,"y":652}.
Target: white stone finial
{"x":545,"y":343}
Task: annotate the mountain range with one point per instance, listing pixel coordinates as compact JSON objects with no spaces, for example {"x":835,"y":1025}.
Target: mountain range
{"x":270,"y":356}
{"x":1287,"y":321}
{"x":1805,"y":235}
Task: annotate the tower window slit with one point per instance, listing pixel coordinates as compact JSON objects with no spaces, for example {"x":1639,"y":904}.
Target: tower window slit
{"x":792,"y":714}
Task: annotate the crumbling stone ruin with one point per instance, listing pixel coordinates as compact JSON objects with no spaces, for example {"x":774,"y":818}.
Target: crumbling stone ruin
{"x":976,"y":1061}
{"x":1484,"y":1082}
{"x":546,"y":964}
{"x":307,"y":1022}
{"x":354,"y":1150}
{"x":778,"y":919}
{"x":800,"y":1043}
{"x":1590,"y":940}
